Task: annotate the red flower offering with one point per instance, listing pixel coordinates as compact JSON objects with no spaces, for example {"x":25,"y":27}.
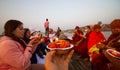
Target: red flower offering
{"x":114,"y":53}
{"x":62,"y":46}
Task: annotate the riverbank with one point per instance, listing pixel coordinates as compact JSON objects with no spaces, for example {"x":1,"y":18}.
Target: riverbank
{"x":106,"y":34}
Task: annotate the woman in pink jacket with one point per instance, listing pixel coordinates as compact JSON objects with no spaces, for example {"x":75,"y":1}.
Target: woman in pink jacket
{"x":15,"y":54}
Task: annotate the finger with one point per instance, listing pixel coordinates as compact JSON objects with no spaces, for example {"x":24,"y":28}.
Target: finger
{"x":39,"y":41}
{"x":50,"y":55}
{"x":36,"y":41}
{"x":33,"y":40}
{"x":69,"y":55}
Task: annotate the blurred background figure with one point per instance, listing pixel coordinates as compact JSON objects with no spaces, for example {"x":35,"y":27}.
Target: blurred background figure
{"x":27,"y":37}
{"x":114,"y":39}
{"x":46,"y":26}
{"x":51,"y":35}
{"x":95,"y":38}
{"x":58,"y":32}
{"x":38,"y":56}
{"x":27,"y":34}
{"x":77,"y":38}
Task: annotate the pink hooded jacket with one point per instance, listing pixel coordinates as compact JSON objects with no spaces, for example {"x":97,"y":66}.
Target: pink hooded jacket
{"x":13,"y":56}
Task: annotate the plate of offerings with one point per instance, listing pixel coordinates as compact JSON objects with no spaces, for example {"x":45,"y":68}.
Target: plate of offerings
{"x":113,"y":53}
{"x":61,"y":46}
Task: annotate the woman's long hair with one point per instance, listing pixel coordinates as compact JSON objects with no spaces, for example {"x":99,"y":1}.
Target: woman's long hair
{"x":9,"y":27}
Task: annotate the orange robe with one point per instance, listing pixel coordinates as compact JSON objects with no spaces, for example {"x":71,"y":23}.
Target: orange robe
{"x":75,"y":39}
{"x":81,"y":48}
{"x":98,"y":60}
{"x":94,"y":38}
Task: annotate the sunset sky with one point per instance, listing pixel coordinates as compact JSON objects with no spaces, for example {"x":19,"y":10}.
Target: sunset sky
{"x":65,"y":14}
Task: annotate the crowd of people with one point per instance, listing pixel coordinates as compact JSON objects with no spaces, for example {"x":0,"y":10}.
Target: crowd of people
{"x":92,"y":44}
{"x":19,"y":48}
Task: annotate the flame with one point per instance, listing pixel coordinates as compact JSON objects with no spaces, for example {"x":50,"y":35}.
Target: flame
{"x":56,"y":39}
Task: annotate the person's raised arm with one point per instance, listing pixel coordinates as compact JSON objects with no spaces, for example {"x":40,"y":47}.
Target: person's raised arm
{"x":56,"y":62}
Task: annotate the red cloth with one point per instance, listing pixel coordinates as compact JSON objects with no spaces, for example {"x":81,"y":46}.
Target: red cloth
{"x":76,"y":38}
{"x":99,"y":61}
{"x":81,"y":49}
{"x":94,"y":38}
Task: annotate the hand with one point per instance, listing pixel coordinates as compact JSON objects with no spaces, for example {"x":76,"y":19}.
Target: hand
{"x":102,"y":41}
{"x":55,"y":62}
{"x":100,"y":46}
{"x":35,"y":41}
{"x":83,"y":36}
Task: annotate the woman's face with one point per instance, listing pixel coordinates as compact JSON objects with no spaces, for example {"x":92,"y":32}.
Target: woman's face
{"x":28,"y":34}
{"x":19,"y":31}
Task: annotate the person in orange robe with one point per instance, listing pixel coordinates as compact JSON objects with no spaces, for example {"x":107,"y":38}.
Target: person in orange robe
{"x":88,"y":30}
{"x":95,"y":38}
{"x":78,"y":41}
{"x":83,"y":50}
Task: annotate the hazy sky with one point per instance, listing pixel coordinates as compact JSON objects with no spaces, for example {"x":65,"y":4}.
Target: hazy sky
{"x":65,"y":14}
